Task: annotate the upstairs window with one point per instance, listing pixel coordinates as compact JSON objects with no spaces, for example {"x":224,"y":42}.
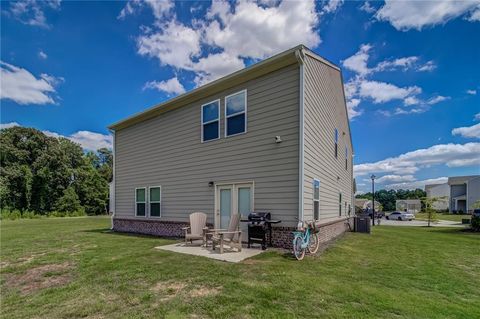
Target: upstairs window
{"x":236,"y":113}
{"x":140,"y":201}
{"x":346,"y":158}
{"x":155,"y":201}
{"x":336,"y":143}
{"x":316,"y":199}
{"x":211,"y":121}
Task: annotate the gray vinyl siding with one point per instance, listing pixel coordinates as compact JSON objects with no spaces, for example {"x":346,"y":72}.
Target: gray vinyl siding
{"x":167,"y":151}
{"x":473,"y":193}
{"x":324,"y":110}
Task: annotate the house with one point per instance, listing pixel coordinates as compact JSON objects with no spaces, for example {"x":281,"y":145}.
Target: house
{"x":441,"y":193}
{"x":464,"y":193}
{"x":272,"y":137}
{"x":408,"y":205}
{"x":363,"y":204}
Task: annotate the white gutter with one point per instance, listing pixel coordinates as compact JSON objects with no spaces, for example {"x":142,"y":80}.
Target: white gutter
{"x":299,"y":54}
{"x":113,"y":180}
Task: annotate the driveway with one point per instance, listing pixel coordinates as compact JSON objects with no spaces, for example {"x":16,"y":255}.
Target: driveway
{"x":421,"y":223}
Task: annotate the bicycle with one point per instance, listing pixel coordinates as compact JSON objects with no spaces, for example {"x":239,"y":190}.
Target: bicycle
{"x":305,"y":239}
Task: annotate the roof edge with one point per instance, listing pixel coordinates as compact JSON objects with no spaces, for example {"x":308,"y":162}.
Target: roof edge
{"x":235,"y":78}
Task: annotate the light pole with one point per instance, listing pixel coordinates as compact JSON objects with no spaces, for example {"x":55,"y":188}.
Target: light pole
{"x":373,"y":199}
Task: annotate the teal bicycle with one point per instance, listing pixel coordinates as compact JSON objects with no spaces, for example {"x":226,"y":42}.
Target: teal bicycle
{"x":305,"y":239}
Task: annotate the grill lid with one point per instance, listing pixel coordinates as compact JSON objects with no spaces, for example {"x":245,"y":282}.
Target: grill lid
{"x":259,"y":216}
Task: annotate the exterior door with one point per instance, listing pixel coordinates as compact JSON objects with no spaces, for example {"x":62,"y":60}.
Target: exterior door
{"x":233,"y":199}
{"x":224,"y":206}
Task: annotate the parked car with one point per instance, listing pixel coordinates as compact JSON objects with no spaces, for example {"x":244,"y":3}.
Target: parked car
{"x":401,"y":216}
{"x":476,"y":212}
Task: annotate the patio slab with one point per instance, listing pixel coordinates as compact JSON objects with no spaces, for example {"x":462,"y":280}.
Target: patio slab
{"x":197,"y":250}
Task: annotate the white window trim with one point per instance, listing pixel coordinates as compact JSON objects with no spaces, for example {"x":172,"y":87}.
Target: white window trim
{"x":137,"y":202}
{"x":217,"y":119}
{"x":238,"y":113}
{"x":154,"y":202}
{"x":316,"y":200}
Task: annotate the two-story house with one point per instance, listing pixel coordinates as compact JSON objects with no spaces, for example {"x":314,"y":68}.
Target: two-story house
{"x":273,"y":137}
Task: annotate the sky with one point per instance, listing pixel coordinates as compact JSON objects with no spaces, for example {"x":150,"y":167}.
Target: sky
{"x":411,"y":70}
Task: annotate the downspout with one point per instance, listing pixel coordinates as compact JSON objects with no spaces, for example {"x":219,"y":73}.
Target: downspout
{"x":300,"y":55}
{"x":113,"y":179}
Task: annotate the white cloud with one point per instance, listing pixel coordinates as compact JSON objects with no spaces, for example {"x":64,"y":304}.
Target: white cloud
{"x":42,"y":55}
{"x":253,"y":31}
{"x":91,"y":140}
{"x":231,"y":32}
{"x":171,"y":86}
{"x":88,"y":140}
{"x":31,"y":12}
{"x":367,"y":7}
{"x":437,"y":99}
{"x":160,"y":8}
{"x":332,"y":6}
{"x":477,"y":117}
{"x":395,"y":179}
{"x":452,"y":155}
{"x":406,"y":15}
{"x":472,"y":92}
{"x":21,"y":86}
{"x":468,"y":132}
{"x":358,"y":61}
{"x":417,"y":184}
{"x":175,"y":45}
{"x":381,"y":92}
{"x":427,"y":67}
{"x":400,"y":63}
{"x":215,"y":66}
{"x":475,"y":15}
{"x":8,"y":125}
{"x":352,"y":108}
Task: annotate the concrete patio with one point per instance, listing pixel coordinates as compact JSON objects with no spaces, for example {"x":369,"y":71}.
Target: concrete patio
{"x":197,"y":250}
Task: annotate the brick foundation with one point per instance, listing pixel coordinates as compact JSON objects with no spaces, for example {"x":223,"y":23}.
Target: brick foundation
{"x":282,"y":237}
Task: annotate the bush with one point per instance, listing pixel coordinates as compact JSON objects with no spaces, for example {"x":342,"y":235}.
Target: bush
{"x":6,"y":213}
{"x":475,"y":223}
{"x":69,"y":202}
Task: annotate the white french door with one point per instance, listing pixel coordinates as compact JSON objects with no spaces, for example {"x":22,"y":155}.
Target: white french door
{"x":235,"y":198}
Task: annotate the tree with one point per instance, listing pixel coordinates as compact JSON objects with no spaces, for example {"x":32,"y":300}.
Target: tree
{"x":431,"y":213}
{"x":36,"y":170}
{"x":69,"y":202}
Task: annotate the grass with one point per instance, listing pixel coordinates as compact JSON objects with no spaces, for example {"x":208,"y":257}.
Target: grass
{"x":75,"y":267}
{"x":444,"y":216}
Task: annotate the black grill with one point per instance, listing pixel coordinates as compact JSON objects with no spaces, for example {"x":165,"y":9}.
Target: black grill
{"x":259,"y":223}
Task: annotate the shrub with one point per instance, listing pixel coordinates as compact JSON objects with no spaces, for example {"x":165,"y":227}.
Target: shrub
{"x":475,"y":223}
{"x":69,"y":202}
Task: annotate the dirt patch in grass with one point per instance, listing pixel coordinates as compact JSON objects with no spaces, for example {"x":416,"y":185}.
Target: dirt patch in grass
{"x":170,"y":290}
{"x":204,"y":291}
{"x":40,"y":277}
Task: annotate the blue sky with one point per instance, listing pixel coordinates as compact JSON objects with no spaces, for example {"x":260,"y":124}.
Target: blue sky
{"x":411,"y":69}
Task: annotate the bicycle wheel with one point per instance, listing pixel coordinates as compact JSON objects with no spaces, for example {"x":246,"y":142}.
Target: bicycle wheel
{"x":313,"y":244}
{"x":298,"y":251}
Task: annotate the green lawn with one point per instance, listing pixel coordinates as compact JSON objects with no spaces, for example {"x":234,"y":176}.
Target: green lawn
{"x":444,"y":216}
{"x":74,"y":267}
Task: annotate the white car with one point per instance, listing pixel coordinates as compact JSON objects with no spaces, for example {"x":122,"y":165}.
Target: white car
{"x":401,"y":216}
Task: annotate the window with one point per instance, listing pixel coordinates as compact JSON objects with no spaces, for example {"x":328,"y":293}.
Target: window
{"x":346,"y":158}
{"x":316,"y":199}
{"x":339,"y":204}
{"x":140,"y":201}
{"x":336,"y":143}
{"x":211,"y":121}
{"x":155,"y":201}
{"x":236,"y":113}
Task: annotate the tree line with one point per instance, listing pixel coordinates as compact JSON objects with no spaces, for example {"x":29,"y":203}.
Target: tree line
{"x":388,"y":198}
{"x":41,"y":174}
